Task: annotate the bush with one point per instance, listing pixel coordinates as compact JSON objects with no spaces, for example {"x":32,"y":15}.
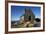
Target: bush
{"x":37,"y":19}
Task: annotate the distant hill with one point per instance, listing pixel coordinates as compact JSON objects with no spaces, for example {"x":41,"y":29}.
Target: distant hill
{"x":12,"y":22}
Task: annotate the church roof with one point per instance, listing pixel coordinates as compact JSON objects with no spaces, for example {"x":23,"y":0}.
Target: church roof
{"x":29,"y":11}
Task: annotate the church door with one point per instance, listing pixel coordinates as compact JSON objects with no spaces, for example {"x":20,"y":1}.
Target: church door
{"x":29,"y":18}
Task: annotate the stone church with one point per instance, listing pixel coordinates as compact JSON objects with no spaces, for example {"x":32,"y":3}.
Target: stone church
{"x":27,"y":17}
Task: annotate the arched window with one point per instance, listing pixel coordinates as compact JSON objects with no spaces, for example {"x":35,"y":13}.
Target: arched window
{"x":29,"y":18}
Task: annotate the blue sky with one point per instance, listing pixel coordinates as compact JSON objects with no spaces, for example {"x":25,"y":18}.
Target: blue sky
{"x":17,"y":11}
